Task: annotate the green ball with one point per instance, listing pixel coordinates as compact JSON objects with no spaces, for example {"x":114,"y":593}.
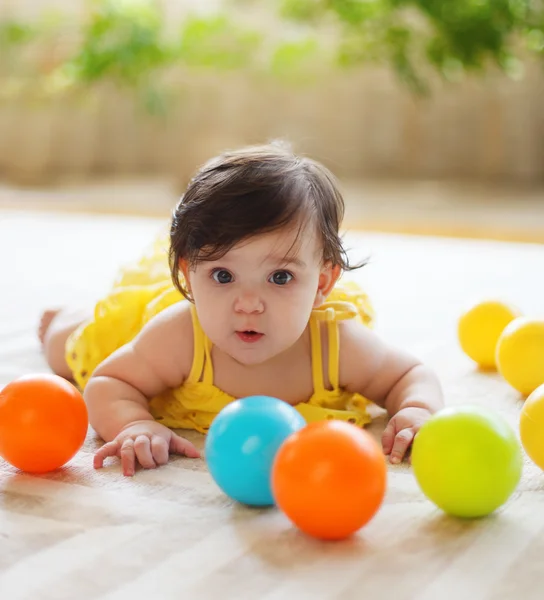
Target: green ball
{"x":467,"y":460}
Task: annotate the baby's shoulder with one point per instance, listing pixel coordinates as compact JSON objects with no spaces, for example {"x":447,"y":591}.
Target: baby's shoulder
{"x":358,"y":344}
{"x":352,"y":331}
{"x":171,"y":322}
{"x":168,"y":337}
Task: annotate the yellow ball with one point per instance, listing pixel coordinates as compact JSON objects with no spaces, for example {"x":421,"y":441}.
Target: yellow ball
{"x":520,"y":354}
{"x":531,"y":426}
{"x":479,"y":329}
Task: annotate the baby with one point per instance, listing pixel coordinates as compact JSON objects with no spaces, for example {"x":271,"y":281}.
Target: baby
{"x":244,"y":300}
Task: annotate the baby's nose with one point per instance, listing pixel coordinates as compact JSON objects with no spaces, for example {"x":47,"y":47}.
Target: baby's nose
{"x":249,"y":302}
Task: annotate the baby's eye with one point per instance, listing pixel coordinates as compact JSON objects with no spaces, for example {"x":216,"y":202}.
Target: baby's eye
{"x":222,"y":276}
{"x":280,"y":277}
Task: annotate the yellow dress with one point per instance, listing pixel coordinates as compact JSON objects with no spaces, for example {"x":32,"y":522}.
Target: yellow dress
{"x":144,"y":289}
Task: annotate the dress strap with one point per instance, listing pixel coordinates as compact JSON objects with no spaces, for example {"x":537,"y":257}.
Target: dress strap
{"x":198,"y":348}
{"x":335,"y":311}
{"x":334,"y":354}
{"x":208,"y":366}
{"x":331,"y":312}
{"x":317,"y":368}
{"x":201,"y":353}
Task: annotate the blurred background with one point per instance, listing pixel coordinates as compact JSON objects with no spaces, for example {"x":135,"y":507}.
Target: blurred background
{"x":431,"y":112}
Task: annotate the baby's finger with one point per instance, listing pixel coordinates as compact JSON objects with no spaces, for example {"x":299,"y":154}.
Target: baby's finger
{"x":107,"y":450}
{"x":128,"y":457}
{"x":388,"y":437}
{"x":142,"y":449}
{"x":403,"y":439}
{"x":410,"y":449}
{"x":180,"y":445}
{"x":159,"y":449}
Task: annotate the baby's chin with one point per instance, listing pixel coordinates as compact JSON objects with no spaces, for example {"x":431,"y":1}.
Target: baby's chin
{"x":250,"y":356}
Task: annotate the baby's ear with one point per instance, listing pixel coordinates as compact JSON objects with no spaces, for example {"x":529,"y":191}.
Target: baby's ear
{"x":183,"y":266}
{"x":327,"y":279}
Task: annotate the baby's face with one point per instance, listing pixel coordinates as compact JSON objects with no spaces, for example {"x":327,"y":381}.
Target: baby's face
{"x":254,"y":303}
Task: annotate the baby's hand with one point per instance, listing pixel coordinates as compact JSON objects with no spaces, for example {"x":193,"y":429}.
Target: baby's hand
{"x":146,"y":442}
{"x":401,"y":430}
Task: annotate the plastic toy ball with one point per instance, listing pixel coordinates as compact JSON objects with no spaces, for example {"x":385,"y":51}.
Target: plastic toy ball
{"x":329,"y":479}
{"x":520,"y":354}
{"x":467,"y":460}
{"x":241,"y":445}
{"x":479,"y":329}
{"x":531,"y":426}
{"x":43,"y":422}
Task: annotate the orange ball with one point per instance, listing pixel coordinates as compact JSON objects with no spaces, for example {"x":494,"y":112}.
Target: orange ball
{"x":329,"y":478}
{"x":43,"y":422}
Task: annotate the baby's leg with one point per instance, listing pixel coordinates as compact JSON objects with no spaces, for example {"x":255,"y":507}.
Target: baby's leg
{"x":55,"y":327}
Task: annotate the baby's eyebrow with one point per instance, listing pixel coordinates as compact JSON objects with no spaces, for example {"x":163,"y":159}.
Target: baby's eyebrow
{"x":287,"y":260}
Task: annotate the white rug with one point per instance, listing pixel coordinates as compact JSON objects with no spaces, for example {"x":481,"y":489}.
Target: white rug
{"x":170,"y":533}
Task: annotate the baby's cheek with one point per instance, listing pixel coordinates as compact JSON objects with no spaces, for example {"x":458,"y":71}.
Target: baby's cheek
{"x":213,"y":323}
{"x":293,"y":324}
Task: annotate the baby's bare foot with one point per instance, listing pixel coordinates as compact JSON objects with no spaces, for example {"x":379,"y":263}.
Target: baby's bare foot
{"x":56,"y":326}
{"x":45,"y":322}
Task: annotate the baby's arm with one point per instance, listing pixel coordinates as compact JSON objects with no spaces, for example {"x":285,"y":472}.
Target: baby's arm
{"x":391,"y":378}
{"x":118,"y":392}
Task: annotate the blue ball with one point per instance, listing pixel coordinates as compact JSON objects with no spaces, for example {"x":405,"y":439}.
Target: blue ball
{"x":242,"y":443}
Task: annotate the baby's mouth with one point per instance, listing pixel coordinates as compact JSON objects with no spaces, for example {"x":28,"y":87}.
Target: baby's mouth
{"x":249,"y":336}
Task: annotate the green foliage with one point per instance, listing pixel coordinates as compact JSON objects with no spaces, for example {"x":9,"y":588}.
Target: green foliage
{"x":416,"y":36}
{"x":123,"y":40}
{"x":295,"y":61}
{"x":14,"y":34}
{"x":216,"y":42}
{"x":129,"y":43}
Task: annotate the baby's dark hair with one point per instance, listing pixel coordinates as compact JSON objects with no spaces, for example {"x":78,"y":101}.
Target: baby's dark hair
{"x":255,"y":190}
